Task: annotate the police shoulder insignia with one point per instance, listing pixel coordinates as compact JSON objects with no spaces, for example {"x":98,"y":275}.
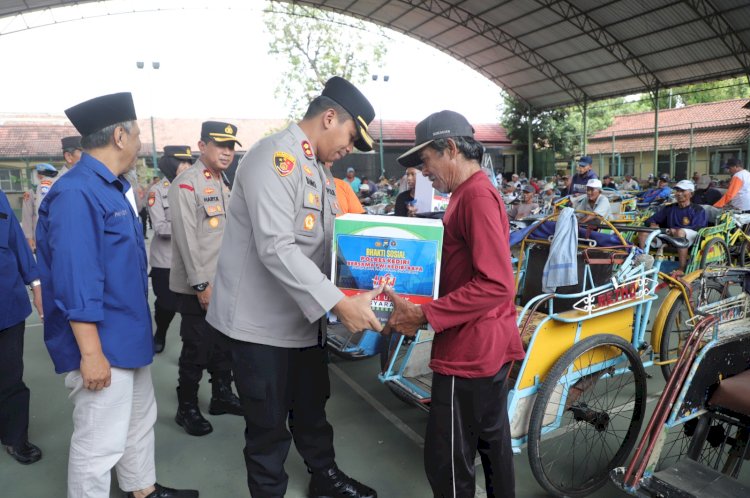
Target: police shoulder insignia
{"x":46,"y":183}
{"x":284,"y":163}
{"x":26,"y":196}
{"x":309,"y":222}
{"x":166,"y":183}
{"x":151,"y":198}
{"x":207,"y":174}
{"x":307,"y":170}
{"x":307,"y":149}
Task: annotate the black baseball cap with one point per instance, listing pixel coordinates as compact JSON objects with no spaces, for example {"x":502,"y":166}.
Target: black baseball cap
{"x":664,"y":177}
{"x":219,"y":132}
{"x":71,"y":143}
{"x":356,"y":104}
{"x":443,"y":124}
{"x":96,"y":114}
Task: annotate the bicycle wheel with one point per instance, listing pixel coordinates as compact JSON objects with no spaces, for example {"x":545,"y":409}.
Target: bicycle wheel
{"x":715,"y":252}
{"x":587,"y":415}
{"x":743,"y":258}
{"x":676,"y":330}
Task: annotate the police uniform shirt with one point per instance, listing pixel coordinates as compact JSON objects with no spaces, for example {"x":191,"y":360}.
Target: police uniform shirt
{"x":92,"y":262}
{"x":198,"y":202}
{"x":30,"y":208}
{"x":17,"y":268}
{"x":272,"y":284}
{"x":692,"y":217}
{"x":160,"y":253}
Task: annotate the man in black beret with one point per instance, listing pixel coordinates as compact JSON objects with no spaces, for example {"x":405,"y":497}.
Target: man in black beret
{"x":272,"y":291}
{"x":71,"y":147}
{"x":97,"y":324}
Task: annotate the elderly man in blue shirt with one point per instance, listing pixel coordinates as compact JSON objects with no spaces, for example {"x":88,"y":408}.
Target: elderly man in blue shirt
{"x":17,"y":269}
{"x":97,"y":329}
{"x":682,"y":219}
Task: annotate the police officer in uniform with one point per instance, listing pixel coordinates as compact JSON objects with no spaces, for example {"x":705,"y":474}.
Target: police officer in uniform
{"x":176,"y":159}
{"x":198,"y":200}
{"x":46,"y":175}
{"x":72,"y":150}
{"x":273,"y":289}
{"x":17,"y":269}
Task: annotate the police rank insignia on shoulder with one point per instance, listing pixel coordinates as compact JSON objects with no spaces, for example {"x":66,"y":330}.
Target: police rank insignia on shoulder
{"x":307,"y":170}
{"x":46,"y":183}
{"x":151,"y":198}
{"x":207,"y":174}
{"x":685,"y":220}
{"x":284,"y":163}
{"x":166,"y":183}
{"x":307,"y":149}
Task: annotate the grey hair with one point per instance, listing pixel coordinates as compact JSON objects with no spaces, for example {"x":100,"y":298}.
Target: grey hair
{"x":470,"y":148}
{"x":102,"y":137}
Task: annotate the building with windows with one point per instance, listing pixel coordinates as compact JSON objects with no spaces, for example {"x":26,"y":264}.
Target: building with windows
{"x":698,"y":137}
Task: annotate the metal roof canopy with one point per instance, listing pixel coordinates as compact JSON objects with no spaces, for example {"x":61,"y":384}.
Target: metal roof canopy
{"x":553,"y":53}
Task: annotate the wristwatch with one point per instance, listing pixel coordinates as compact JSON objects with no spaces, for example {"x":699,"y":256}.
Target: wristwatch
{"x":200,"y":287}
{"x":35,"y":283}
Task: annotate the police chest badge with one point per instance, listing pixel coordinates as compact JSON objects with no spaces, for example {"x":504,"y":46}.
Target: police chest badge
{"x":151,"y":198}
{"x":309,"y":222}
{"x":213,"y":222}
{"x":685,"y":220}
{"x":307,"y":149}
{"x":284,"y":163}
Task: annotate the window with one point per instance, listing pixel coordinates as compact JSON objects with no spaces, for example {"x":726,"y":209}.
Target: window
{"x":663,"y":165}
{"x":719,"y":157}
{"x":622,"y":165}
{"x":10,"y":180}
{"x":681,"y":166}
{"x":509,"y":163}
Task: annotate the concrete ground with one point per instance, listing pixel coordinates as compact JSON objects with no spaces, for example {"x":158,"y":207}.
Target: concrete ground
{"x":378,"y":438}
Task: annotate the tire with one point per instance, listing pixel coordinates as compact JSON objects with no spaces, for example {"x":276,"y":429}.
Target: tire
{"x":618,"y":402}
{"x":717,"y":246}
{"x":676,"y":331}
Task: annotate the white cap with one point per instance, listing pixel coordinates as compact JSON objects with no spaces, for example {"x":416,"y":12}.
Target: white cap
{"x":685,"y":185}
{"x":549,"y":186}
{"x":594,"y":183}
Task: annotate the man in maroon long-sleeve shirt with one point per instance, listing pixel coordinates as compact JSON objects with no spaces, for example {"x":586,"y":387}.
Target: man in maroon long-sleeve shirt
{"x":474,"y":319}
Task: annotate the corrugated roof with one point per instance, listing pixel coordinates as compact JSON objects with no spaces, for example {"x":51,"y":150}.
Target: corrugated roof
{"x":559,"y":52}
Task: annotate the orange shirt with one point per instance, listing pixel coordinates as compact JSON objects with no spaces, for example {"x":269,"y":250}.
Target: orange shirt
{"x":347,"y":199}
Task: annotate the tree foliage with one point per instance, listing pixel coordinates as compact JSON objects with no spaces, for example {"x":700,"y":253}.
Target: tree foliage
{"x":314,"y":45}
{"x":550,"y":129}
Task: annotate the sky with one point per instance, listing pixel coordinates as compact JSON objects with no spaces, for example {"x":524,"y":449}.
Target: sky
{"x":213,"y":64}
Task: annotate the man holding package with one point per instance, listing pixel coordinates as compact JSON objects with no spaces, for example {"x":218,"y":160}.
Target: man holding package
{"x":476,"y":338}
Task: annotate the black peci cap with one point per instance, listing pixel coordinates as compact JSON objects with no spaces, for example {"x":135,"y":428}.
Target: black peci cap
{"x":71,"y":143}
{"x":219,"y":132}
{"x":98,"y":113}
{"x":179,"y":151}
{"x":443,"y":124}
{"x":356,"y":104}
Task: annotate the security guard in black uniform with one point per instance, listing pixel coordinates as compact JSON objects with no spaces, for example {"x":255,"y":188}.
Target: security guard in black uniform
{"x":198,"y":200}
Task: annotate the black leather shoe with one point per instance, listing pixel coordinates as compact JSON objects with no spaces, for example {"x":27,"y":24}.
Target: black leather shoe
{"x":162,"y":492}
{"x":158,"y":344}
{"x":26,"y":453}
{"x":223,"y":400}
{"x":333,"y":483}
{"x":190,"y":418}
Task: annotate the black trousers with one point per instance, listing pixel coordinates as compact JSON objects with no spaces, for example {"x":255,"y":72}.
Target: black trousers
{"x":201,"y":350}
{"x":280,"y":386}
{"x":466,"y":416}
{"x":165,"y":304}
{"x":14,"y":395}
